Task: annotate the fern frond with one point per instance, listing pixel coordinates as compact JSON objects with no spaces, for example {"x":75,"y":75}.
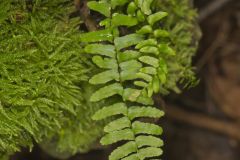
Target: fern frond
{"x":136,"y":60}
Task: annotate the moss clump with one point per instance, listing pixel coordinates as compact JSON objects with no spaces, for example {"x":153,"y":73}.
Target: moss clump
{"x":42,"y":72}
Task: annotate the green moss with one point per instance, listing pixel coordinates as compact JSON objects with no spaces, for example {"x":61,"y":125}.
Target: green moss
{"x":184,"y":34}
{"x":42,"y":72}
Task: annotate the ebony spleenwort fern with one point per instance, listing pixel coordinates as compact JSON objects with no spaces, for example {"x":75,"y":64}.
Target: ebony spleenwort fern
{"x":44,"y":93}
{"x":134,"y":68}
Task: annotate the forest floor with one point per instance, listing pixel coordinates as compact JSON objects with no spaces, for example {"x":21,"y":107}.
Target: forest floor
{"x":203,"y":123}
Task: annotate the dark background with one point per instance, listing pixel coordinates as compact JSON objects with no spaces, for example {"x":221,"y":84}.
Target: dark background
{"x":203,"y":123}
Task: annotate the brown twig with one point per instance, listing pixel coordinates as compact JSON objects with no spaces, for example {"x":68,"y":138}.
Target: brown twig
{"x":218,"y":41}
{"x":199,"y":120}
{"x":211,"y":8}
{"x":81,"y":6}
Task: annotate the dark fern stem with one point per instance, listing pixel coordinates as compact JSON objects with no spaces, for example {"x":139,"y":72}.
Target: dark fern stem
{"x":132,"y":68}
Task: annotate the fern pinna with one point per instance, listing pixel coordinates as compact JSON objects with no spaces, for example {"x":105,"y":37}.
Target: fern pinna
{"x":132,"y":68}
